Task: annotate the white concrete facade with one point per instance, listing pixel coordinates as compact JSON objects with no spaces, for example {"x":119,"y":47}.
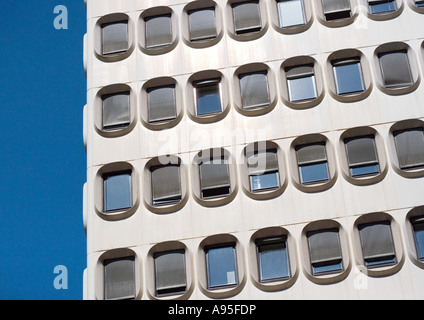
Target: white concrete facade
{"x":342,"y":202}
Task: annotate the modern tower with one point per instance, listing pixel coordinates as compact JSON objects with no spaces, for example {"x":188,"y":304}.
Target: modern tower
{"x":254,"y":149}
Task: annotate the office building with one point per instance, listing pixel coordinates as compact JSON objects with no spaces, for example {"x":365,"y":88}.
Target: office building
{"x":259,"y":149}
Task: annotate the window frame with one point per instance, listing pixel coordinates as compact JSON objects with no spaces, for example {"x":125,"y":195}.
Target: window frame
{"x":208,"y":83}
{"x":280,"y":18}
{"x":149,"y":104}
{"x":335,"y":15}
{"x":143,"y":29}
{"x":382,"y":68}
{"x":117,"y":125}
{"x":373,"y":3}
{"x":379,"y":143}
{"x":312,"y":163}
{"x":216,"y":188}
{"x":219,"y":199}
{"x":180,"y":289}
{"x":419,"y":248}
{"x":235,"y":262}
{"x":279,"y":168}
{"x":243,"y":88}
{"x":206,"y":37}
{"x":250,"y":29}
{"x":266,"y":171}
{"x":148,"y":35}
{"x":337,"y":64}
{"x":383,"y":259}
{"x":334,"y":265}
{"x":170,"y":200}
{"x":313,"y":139}
{"x":271,"y":241}
{"x":409,"y":167}
{"x":292,"y":76}
{"x":105,"y":263}
{"x":375,"y":162}
{"x":115,"y":210}
{"x":121,"y":49}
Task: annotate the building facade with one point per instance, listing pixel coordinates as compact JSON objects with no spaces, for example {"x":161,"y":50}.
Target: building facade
{"x":254,"y":149}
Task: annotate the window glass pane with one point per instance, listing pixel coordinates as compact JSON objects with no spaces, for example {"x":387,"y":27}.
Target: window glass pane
{"x":395,"y":69}
{"x":254,"y":90}
{"x":348,"y":78}
{"x":365,"y":170}
{"x":161,"y":102}
{"x":170,"y":272}
{"x":114,"y":37}
{"x":302,"y":88}
{"x":264,"y":181}
{"x":291,"y":13}
{"x":119,"y":279}
{"x":221,"y":267}
{"x":377,"y":244}
{"x":410,"y":148}
{"x":382,"y":6}
{"x":419,"y":238}
{"x":116,"y":110}
{"x":117,"y":192}
{"x":158,"y":31}
{"x":166,"y":184}
{"x":208,"y":100}
{"x":247,"y":17}
{"x":202,"y":24}
{"x":313,"y":173}
{"x":273,"y":260}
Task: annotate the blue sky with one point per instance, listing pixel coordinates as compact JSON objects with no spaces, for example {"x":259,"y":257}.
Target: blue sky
{"x":43,"y":162}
